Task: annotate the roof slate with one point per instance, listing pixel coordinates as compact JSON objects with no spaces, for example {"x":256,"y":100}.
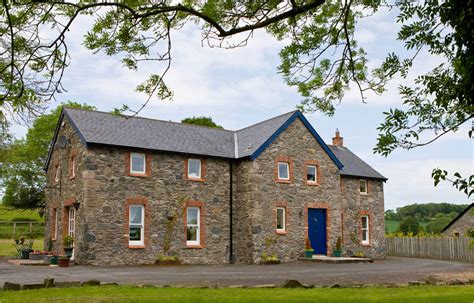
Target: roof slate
{"x":353,"y":165}
{"x":104,"y":128}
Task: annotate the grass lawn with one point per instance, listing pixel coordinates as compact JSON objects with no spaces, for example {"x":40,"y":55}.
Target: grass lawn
{"x":7,"y":248}
{"x":8,"y":214}
{"x":458,"y":294}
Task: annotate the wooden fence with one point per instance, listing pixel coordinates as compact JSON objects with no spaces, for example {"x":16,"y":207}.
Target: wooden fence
{"x":447,"y":248}
{"x":15,"y":229}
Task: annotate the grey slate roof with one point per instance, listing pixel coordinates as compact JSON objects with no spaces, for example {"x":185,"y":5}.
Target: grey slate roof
{"x":353,"y":165}
{"x":106,"y":129}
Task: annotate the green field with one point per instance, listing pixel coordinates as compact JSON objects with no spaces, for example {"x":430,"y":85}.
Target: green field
{"x":8,"y":215}
{"x":7,"y":248}
{"x":392,"y":225}
{"x":458,"y":294}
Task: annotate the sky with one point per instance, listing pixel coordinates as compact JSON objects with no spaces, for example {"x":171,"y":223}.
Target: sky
{"x":240,"y":87}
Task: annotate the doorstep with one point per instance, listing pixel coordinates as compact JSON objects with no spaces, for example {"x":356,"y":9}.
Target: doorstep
{"x":28,"y":262}
{"x":337,"y":260}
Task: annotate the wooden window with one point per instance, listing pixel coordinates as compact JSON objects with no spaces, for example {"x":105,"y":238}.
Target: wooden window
{"x":71,"y":221}
{"x":57,"y":173}
{"x":194,"y":168}
{"x":283,"y":171}
{"x":365,"y":230}
{"x":136,"y":225}
{"x":72,"y":164}
{"x":137,"y":163}
{"x":311,"y":173}
{"x":193,"y":223}
{"x":363,"y":188}
{"x":54,"y":225}
{"x":281,"y":219}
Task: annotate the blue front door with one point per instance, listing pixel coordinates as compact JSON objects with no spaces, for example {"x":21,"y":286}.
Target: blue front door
{"x":317,"y":230}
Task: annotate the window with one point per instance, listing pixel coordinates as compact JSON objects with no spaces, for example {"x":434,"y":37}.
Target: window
{"x":363,"y":186}
{"x":281,"y":220}
{"x":54,"y":226}
{"x":283,"y":171}
{"x":311,"y":173}
{"x":73,"y":166}
{"x":137,"y":163}
{"x":193,"y":226}
{"x":136,"y":225}
{"x":194,"y":168}
{"x":57,"y":173}
{"x":71,"y":230}
{"x":365,"y":230}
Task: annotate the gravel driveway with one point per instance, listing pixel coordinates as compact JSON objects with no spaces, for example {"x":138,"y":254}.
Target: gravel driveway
{"x":390,"y":270}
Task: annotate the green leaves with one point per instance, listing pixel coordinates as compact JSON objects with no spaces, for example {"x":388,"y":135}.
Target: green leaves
{"x":465,"y":185}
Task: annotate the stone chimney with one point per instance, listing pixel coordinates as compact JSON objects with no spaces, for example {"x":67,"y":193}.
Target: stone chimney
{"x":338,"y":140}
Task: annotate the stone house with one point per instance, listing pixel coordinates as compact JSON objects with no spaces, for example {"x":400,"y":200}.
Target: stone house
{"x":462,"y":224}
{"x":132,"y":189}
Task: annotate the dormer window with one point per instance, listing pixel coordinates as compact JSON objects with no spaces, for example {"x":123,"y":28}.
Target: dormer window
{"x":283,"y":171}
{"x":137,"y":163}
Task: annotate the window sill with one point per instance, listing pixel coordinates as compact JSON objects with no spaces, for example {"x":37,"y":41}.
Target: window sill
{"x":136,"y":246}
{"x":283,"y":181}
{"x":281,"y":232}
{"x":194,"y":246}
{"x":312,"y":183}
{"x":138,"y":175}
{"x":367,"y":245}
{"x":72,"y":177}
{"x":195,"y":179}
{"x":363,"y":194}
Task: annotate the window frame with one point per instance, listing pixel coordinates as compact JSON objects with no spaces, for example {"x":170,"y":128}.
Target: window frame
{"x":315,"y":181}
{"x":281,"y":230}
{"x":287,"y":168}
{"x":72,"y":163}
{"x":71,"y":221}
{"x":135,"y":172}
{"x":141,"y":225}
{"x":366,"y":182}
{"x":199,"y":177}
{"x":57,"y":172}
{"x":197,"y":242}
{"x":55,"y":218}
{"x":365,"y":231}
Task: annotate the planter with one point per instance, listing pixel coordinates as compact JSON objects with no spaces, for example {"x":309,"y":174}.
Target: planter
{"x":63,"y":262}
{"x":54,"y":260}
{"x":337,"y":253}
{"x":309,"y":253}
{"x":38,"y":257}
{"x":25,"y":253}
{"x":167,"y":262}
{"x":68,"y":251}
{"x":270,"y":262}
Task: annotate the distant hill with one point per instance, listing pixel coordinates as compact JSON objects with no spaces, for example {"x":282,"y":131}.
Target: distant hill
{"x":424,"y":212}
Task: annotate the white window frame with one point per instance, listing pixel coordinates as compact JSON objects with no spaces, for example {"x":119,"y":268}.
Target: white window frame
{"x":315,"y":174}
{"x":73,"y":166}
{"x":71,"y":227}
{"x":366,"y":187}
{"x":200,"y":168}
{"x":57,"y":173}
{"x":144,"y":163}
{"x":55,"y":235}
{"x":140,"y":242}
{"x":197,"y":225}
{"x":283,"y":209}
{"x":365,"y":230}
{"x":287,"y":168}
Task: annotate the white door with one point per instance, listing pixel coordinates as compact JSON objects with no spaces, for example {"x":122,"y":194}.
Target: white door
{"x":71,"y":230}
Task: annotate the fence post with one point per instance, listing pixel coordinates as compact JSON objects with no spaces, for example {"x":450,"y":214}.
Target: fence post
{"x":14,"y":229}
{"x":31,"y":227}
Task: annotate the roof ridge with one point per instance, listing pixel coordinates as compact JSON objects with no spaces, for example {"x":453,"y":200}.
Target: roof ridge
{"x":292,"y":112}
{"x":145,"y":118}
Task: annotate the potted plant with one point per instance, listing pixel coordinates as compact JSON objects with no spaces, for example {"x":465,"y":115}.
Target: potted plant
{"x":168,"y":260}
{"x":63,"y":261}
{"x":338,"y":249}
{"x":267,"y":260}
{"x":68,"y":243}
{"x":308,"y":250}
{"x":54,"y":260}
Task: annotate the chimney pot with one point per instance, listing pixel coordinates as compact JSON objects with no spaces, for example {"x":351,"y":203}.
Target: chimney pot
{"x":338,"y":140}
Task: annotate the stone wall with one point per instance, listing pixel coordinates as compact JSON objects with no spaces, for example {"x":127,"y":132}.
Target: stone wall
{"x":462,"y":225}
{"x":355,"y":205}
{"x":166,"y":191}
{"x":60,"y":195}
{"x":258,"y":195}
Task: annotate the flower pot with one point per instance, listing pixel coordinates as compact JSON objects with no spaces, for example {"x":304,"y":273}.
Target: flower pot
{"x":68,"y":251}
{"x":25,"y":253}
{"x":337,"y":253}
{"x":38,"y":257}
{"x":54,"y":260}
{"x":309,"y":253}
{"x":63,"y":262}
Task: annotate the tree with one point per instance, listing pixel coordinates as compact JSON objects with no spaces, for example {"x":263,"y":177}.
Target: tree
{"x":322,"y":59}
{"x":440,"y":221}
{"x":22,"y":161}
{"x":203,"y":121}
{"x":410,"y":225}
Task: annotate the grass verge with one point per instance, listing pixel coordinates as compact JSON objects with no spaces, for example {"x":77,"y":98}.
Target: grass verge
{"x":7,"y":249}
{"x":458,"y":294}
